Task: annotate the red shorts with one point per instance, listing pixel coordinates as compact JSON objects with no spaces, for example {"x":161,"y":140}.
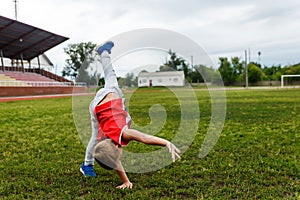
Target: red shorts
{"x":113,"y":119}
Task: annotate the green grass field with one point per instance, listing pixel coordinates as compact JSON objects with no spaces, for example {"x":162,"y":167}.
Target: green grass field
{"x":256,"y":157}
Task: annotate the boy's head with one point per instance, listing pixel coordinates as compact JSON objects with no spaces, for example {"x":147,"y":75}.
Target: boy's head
{"x":107,"y":154}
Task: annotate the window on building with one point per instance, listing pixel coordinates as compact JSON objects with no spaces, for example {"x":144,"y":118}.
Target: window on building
{"x":175,"y":79}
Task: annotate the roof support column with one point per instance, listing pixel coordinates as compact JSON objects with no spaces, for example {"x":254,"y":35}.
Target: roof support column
{"x":2,"y":62}
{"x":39,"y":63}
{"x":22,"y":63}
{"x":29,"y":63}
{"x":11,"y":65}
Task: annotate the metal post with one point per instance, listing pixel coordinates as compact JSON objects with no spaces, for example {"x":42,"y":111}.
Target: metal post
{"x":17,"y":65}
{"x":39,"y":64}
{"x":29,"y":65}
{"x":2,"y":62}
{"x":259,"y":53}
{"x":16,"y":9}
{"x":22,"y":63}
{"x":246,"y":69}
{"x":249,"y":59}
{"x":12,"y":65}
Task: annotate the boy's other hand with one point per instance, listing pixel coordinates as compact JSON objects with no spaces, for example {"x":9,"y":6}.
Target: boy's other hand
{"x":174,"y":151}
{"x":125,"y":185}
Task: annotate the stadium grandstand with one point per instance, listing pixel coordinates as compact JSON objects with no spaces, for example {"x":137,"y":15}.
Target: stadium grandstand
{"x":23,"y":45}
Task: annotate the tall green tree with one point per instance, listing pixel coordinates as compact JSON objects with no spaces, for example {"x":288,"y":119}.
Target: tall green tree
{"x":226,"y":70}
{"x":195,"y":76}
{"x":129,"y":79}
{"x":237,"y":65}
{"x":175,"y":63}
{"x":203,"y":73}
{"x":255,"y":74}
{"x":272,"y":73}
{"x":80,"y":56}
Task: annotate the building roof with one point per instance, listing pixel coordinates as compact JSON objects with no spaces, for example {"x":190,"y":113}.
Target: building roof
{"x":19,"y":40}
{"x":47,"y":60}
{"x":166,"y":73}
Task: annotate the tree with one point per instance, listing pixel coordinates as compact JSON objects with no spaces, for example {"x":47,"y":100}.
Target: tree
{"x":226,"y":71}
{"x":238,"y":67}
{"x":292,"y":70}
{"x":80,"y":55}
{"x":195,"y":77}
{"x":201,"y":74}
{"x":272,"y":73}
{"x":129,"y":79}
{"x":165,"y":68}
{"x":175,"y":64}
{"x":255,"y":74}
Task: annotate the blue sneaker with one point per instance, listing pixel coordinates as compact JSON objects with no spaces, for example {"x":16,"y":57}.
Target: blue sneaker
{"x":87,"y":170}
{"x":107,"y":46}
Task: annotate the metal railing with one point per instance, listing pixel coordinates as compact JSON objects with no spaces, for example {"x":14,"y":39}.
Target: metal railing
{"x":39,"y":84}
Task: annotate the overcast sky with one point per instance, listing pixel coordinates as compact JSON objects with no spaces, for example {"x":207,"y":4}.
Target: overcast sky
{"x":222,"y":28}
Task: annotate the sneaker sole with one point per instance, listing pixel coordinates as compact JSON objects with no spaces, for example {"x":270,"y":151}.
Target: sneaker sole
{"x":81,"y":170}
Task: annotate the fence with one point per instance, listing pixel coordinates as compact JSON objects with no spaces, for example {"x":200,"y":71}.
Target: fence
{"x":38,"y":84}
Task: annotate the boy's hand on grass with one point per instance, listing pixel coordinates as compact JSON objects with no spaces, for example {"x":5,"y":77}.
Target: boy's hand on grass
{"x":174,"y":151}
{"x":125,"y":185}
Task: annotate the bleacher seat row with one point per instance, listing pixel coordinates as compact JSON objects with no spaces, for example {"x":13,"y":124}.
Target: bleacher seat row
{"x":26,"y":76}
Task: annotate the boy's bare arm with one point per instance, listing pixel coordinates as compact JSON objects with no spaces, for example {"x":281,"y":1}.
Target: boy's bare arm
{"x":131,"y":134}
{"x":123,"y":176}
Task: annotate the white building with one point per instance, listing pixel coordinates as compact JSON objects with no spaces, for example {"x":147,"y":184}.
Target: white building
{"x":169,"y":78}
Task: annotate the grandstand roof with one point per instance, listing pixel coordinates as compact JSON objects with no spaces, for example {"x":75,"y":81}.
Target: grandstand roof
{"x":18,"y":39}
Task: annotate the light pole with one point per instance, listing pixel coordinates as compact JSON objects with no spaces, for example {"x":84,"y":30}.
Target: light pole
{"x":16,"y":9}
{"x":259,"y":53}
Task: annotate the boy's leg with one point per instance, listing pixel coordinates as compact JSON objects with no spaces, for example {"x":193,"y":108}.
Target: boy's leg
{"x":111,"y":82}
{"x":109,"y":73}
{"x":87,"y":167}
{"x":89,"y":158}
{"x":110,"y":77}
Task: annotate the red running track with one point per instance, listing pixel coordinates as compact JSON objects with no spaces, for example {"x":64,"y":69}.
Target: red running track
{"x":22,"y":98}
